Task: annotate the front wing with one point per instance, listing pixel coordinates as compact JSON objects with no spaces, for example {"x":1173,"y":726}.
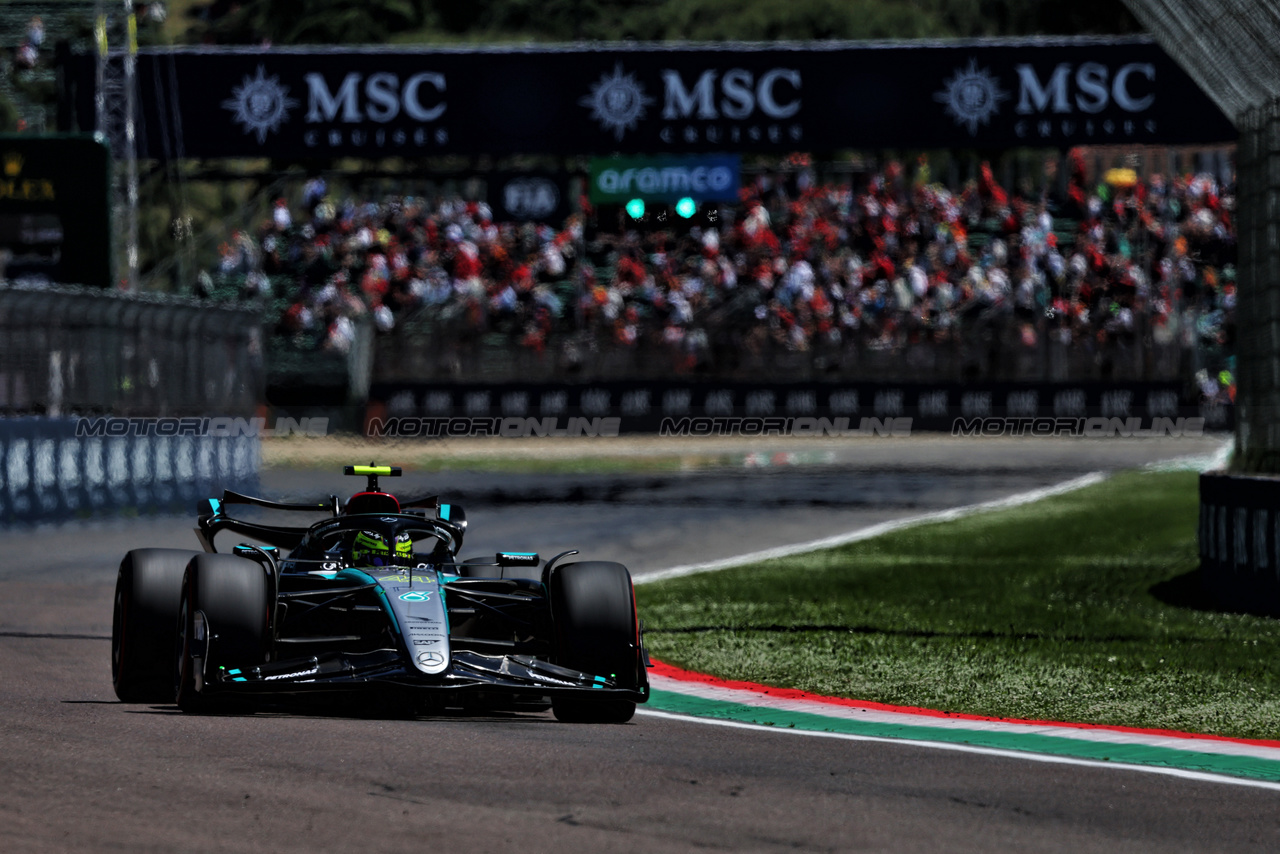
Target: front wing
{"x":468,"y":672}
{"x":413,"y":601}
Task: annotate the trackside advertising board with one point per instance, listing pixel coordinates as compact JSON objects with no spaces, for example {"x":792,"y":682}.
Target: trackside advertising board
{"x":673,"y":99}
{"x":711,"y":178}
{"x":973,"y":409}
{"x":529,"y":196}
{"x":55,"y":214}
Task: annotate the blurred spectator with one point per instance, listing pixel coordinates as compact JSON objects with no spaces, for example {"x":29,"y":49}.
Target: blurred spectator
{"x":35,"y":32}
{"x":26,"y":56}
{"x":799,"y":267}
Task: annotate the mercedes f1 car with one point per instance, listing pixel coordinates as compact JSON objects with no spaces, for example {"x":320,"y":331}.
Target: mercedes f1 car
{"x":372,"y":603}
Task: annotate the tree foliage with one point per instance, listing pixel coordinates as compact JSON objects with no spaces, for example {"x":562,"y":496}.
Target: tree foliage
{"x":293,"y":22}
{"x":379,"y":21}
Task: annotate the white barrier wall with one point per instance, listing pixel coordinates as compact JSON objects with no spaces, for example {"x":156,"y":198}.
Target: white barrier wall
{"x":47,"y":472}
{"x":1239,"y":535}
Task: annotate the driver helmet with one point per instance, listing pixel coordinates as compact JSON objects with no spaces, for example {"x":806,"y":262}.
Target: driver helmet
{"x":370,"y":549}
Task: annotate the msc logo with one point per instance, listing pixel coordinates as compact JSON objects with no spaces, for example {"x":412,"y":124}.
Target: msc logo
{"x":260,"y":104}
{"x":741,"y":94}
{"x":618,"y":101}
{"x":973,"y":96}
{"x":1091,"y":89}
{"x":385,"y":98}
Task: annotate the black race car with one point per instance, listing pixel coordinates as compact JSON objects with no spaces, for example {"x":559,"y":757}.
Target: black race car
{"x":371,"y":604}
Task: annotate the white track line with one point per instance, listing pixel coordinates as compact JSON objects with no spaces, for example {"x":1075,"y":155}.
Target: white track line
{"x":876,"y":530}
{"x":1199,"y":776}
{"x":1198,"y":462}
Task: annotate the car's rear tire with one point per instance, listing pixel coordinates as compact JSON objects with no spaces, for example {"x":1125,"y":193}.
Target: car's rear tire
{"x":144,"y":624}
{"x":223,"y":621}
{"x":594,"y":613}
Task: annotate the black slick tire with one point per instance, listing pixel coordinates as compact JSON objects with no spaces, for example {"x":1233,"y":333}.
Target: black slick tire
{"x":223,"y":621}
{"x":144,"y":624}
{"x":594,"y":614}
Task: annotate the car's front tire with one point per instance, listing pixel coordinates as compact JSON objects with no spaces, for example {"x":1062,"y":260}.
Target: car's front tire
{"x":223,"y":621}
{"x":594,"y":614}
{"x":144,"y":623}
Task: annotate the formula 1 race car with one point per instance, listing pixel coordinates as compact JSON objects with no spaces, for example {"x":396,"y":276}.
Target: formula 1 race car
{"x":372,"y":604}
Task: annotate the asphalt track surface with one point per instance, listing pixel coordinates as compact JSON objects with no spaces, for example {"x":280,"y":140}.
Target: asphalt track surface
{"x":82,"y":771}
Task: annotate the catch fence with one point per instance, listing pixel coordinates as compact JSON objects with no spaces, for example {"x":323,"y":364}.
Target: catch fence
{"x":81,"y":351}
{"x":69,"y":356}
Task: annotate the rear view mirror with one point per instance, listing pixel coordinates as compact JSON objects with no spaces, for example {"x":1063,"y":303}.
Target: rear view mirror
{"x":452,"y":513}
{"x":256,"y":553}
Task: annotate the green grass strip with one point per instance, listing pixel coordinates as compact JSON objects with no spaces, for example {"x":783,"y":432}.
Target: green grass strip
{"x":1133,"y":754}
{"x":1085,"y":607}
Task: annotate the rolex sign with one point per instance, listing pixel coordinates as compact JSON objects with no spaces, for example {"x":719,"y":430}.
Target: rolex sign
{"x":55,"y":224}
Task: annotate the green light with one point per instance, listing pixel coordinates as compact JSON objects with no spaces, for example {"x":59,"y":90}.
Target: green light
{"x":635,"y":208}
{"x":686,"y":207}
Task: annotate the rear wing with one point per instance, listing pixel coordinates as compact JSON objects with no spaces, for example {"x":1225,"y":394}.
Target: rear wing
{"x":229,"y":497}
{"x":211,"y":519}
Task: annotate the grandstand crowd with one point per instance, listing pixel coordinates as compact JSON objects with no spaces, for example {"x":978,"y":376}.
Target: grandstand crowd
{"x":796,"y":266}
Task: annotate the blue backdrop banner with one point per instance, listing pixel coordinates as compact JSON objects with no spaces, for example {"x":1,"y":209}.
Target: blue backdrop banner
{"x":672,"y":99}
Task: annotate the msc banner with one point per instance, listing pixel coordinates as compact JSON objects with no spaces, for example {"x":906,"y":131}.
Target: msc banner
{"x":631,"y":98}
